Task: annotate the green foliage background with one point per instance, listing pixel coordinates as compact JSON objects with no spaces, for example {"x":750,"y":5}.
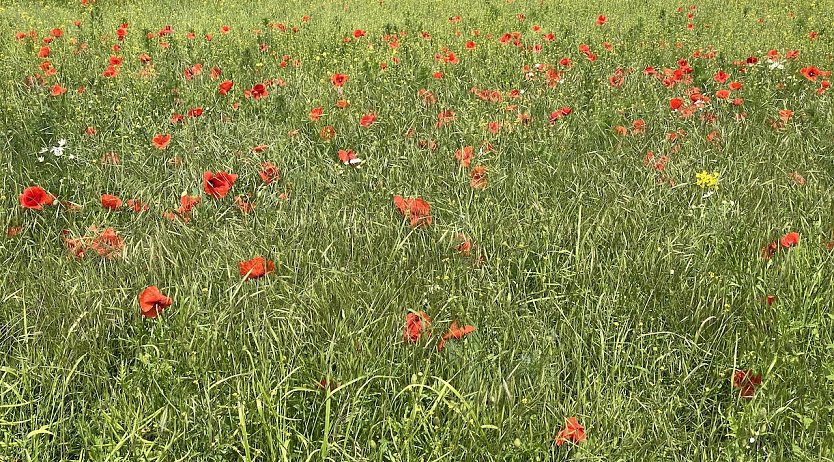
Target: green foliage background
{"x":604,"y":294}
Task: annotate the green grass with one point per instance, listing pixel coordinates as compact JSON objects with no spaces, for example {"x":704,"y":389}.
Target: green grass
{"x":605,"y":293}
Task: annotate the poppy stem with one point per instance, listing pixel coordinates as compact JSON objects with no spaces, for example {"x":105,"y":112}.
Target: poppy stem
{"x":326,"y":434}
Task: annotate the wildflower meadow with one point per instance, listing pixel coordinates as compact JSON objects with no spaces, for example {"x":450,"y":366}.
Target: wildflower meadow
{"x":515,"y":230}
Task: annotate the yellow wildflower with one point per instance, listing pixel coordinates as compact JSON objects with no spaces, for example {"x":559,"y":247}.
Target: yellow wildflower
{"x":705,"y":179}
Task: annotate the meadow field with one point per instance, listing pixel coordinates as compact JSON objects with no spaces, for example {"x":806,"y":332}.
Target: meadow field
{"x":416,"y":230}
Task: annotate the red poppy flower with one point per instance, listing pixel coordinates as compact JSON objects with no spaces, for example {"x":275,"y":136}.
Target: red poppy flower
{"x":464,"y":156}
{"x":186,"y":204}
{"x":415,"y":325}
{"x":601,"y":20}
{"x":269,"y":172}
{"x":811,"y":73}
{"x":571,"y":431}
{"x":196,"y":112}
{"x":720,"y":76}
{"x":217,"y":186}
{"x":789,"y":240}
{"x":225,"y":87}
{"x":348,"y":157}
{"x":111,"y":202}
{"x":455,"y":333}
{"x":161,"y":141}
{"x":445,"y":117}
{"x":110,"y":71}
{"x":256,"y":268}
{"x":675,"y":103}
{"x":358,"y":33}
{"x":192,"y":71}
{"x":338,"y":80}
{"x":367,"y":119}
{"x":478,"y":179}
{"x":416,"y":210}
{"x":257,"y":92}
{"x":315,"y":114}
{"x":35,"y":197}
{"x":746,"y":382}
{"x":152,"y":302}
{"x":556,"y":115}
{"x":722,"y":94}
{"x":57,"y":90}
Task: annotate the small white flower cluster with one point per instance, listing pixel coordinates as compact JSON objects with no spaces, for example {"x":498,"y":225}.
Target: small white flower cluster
{"x":57,"y":151}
